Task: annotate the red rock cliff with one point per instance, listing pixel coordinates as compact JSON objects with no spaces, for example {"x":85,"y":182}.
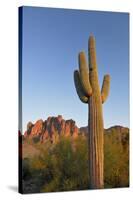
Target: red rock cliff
{"x":52,"y":129}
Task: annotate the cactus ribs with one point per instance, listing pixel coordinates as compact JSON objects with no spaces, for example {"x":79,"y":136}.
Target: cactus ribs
{"x":88,"y":90}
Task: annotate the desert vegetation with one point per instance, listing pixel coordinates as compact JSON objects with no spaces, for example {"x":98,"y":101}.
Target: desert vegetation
{"x":63,"y":165}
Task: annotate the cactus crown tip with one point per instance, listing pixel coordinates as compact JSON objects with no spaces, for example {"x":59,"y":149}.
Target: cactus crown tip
{"x":91,"y":36}
{"x":91,"y":40}
{"x":81,"y":55}
{"x":108,"y":76}
{"x":81,"y":52}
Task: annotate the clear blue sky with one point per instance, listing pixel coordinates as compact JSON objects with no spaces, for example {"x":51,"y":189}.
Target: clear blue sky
{"x":52,"y":39}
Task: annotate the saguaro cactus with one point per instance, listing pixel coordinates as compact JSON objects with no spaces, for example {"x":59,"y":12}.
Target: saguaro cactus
{"x":88,"y":90}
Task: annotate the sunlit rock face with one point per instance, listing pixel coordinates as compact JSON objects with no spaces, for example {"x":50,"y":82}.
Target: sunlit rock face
{"x":52,"y":129}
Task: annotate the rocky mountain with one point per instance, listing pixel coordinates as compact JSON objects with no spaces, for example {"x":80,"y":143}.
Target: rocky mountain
{"x":51,"y":129}
{"x":54,"y":127}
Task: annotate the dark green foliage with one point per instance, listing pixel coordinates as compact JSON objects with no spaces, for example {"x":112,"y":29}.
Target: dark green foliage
{"x":63,"y":166}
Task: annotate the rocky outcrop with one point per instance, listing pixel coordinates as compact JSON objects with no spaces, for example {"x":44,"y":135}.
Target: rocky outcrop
{"x":54,"y":127}
{"x":51,"y":129}
{"x":37,"y":128}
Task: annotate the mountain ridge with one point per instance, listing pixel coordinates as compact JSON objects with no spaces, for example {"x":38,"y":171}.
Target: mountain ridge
{"x":54,"y":127}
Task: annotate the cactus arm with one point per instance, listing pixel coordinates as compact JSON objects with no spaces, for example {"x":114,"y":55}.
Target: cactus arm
{"x":79,"y":88}
{"x":92,"y":53}
{"x":84,"y":75}
{"x":105,"y":88}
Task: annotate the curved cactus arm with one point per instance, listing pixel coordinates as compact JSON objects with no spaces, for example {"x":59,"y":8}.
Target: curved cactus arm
{"x":84,"y":74}
{"x":105,"y":88}
{"x":79,"y":88}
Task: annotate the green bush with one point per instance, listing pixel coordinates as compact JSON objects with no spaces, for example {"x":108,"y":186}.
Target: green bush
{"x":63,"y":165}
{"x":116,"y":162}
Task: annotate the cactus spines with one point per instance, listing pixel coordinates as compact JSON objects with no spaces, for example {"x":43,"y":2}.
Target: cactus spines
{"x":88,"y":90}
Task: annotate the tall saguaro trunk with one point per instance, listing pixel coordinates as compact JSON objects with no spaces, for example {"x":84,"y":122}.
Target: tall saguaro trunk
{"x":88,"y":89}
{"x":96,"y":148}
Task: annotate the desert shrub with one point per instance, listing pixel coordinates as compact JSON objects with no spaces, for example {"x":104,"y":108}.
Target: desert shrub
{"x":63,"y":165}
{"x":70,"y":169}
{"x":26,"y":173}
{"x":116,"y":162}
